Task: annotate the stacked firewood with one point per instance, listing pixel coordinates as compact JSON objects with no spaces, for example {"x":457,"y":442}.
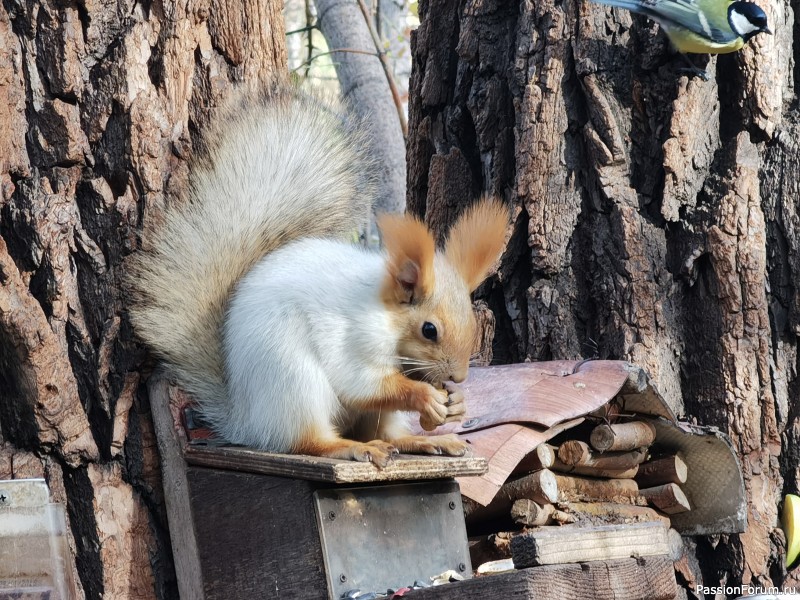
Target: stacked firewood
{"x":614,"y":476}
{"x":608,"y":495}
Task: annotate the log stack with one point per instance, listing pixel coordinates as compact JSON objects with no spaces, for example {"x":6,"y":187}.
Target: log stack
{"x":612,"y":474}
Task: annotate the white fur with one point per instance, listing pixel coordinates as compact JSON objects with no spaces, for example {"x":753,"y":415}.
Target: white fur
{"x":740,"y":24}
{"x":295,"y":327}
{"x":278,"y":167}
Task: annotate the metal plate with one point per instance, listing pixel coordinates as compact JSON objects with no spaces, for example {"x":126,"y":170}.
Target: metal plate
{"x":17,"y":493}
{"x":389,"y":536}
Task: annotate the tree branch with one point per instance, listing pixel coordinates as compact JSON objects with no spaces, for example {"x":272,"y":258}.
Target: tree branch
{"x":335,"y":50}
{"x":386,"y":68}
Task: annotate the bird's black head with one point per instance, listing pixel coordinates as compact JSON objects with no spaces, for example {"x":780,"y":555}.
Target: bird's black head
{"x":747,"y":19}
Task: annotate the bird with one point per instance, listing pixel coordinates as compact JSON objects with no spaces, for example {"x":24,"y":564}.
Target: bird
{"x":701,"y":26}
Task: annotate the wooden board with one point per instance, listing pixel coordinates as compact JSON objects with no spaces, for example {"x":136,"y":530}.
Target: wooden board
{"x":313,"y":468}
{"x":651,"y":578}
{"x":256,"y":536}
{"x":176,"y":491}
{"x":574,"y":543}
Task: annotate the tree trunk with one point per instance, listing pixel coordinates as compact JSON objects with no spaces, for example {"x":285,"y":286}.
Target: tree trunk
{"x":658,"y":215}
{"x":366,"y":90}
{"x":98,"y":102}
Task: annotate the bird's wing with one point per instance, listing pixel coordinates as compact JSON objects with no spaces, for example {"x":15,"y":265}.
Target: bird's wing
{"x":681,"y":13}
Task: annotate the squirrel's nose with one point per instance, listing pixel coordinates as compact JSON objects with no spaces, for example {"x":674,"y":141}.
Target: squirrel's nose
{"x":459,"y":376}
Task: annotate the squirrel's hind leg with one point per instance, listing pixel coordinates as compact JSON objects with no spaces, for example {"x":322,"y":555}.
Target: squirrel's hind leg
{"x":394,"y":429}
{"x":330,"y":445}
{"x":448,"y":445}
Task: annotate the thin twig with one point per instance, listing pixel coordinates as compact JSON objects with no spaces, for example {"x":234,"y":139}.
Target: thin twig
{"x":385,"y":64}
{"x":310,"y":46}
{"x":302,"y":29}
{"x":334,"y":51}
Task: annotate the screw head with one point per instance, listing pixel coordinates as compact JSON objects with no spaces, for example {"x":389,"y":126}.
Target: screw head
{"x":462,"y":567}
{"x":331,"y":515}
{"x":452,"y":505}
{"x":343,"y":578}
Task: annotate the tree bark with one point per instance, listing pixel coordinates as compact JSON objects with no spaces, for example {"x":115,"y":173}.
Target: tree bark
{"x":98,"y":103}
{"x":657,"y":215}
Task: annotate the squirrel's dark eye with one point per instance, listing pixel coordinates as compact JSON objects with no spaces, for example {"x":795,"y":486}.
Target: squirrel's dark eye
{"x":429,"y":331}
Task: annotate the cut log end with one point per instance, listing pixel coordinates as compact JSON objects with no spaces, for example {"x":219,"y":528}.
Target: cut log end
{"x":574,"y":452}
{"x":670,"y":469}
{"x":542,"y":457}
{"x":529,"y":513}
{"x":668,"y":498}
{"x":621,"y":437}
{"x":543,"y":487}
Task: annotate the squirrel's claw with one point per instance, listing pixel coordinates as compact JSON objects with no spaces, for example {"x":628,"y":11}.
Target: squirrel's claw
{"x":448,"y":445}
{"x":378,"y":452}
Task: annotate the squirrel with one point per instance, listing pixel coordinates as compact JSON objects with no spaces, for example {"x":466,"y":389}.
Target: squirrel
{"x":290,"y":338}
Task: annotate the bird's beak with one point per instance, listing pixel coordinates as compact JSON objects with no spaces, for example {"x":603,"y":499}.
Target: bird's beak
{"x":767,"y":30}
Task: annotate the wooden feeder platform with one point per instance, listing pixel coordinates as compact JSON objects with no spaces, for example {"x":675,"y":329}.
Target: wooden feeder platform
{"x":246,"y":523}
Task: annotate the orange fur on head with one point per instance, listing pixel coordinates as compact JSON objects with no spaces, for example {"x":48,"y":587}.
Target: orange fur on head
{"x":477,"y":239}
{"x":411,"y":248}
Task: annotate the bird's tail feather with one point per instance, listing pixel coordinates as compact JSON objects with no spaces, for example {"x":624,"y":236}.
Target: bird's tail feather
{"x":631,"y":5}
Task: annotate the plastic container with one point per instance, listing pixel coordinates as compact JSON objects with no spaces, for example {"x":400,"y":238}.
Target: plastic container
{"x":34,"y":550}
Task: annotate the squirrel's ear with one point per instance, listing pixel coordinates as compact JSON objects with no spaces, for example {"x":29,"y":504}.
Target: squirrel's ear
{"x":477,"y":239}
{"x":411,"y":248}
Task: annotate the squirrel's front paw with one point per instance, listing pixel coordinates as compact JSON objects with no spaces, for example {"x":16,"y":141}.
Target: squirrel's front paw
{"x":441,"y":406}
{"x":456,"y":408}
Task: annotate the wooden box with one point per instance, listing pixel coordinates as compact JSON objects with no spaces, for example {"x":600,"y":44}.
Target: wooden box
{"x":250,"y":524}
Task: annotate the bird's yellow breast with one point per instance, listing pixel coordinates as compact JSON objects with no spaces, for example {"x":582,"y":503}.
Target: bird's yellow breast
{"x":689,"y":42}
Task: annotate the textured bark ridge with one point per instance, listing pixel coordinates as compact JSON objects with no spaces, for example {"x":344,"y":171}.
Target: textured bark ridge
{"x":657,"y":215}
{"x":98,"y":102}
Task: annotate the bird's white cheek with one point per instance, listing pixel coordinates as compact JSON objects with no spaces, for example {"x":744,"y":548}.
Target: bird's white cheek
{"x":741,"y":25}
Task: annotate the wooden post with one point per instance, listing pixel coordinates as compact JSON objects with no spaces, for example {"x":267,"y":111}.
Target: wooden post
{"x":668,"y":498}
{"x":578,"y":454}
{"x":622,"y":436}
{"x":630,"y":473}
{"x":581,"y":489}
{"x":569,"y":544}
{"x":641,"y":578}
{"x":670,"y":469}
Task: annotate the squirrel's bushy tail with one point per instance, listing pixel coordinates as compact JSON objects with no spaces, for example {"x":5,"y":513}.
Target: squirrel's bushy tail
{"x":275,"y":166}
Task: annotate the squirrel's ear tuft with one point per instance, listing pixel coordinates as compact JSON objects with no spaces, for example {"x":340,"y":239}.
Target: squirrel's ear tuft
{"x":476,"y":240}
{"x":411,"y":248}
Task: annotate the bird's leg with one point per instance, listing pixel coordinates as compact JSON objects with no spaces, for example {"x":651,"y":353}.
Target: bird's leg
{"x":693,"y":69}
